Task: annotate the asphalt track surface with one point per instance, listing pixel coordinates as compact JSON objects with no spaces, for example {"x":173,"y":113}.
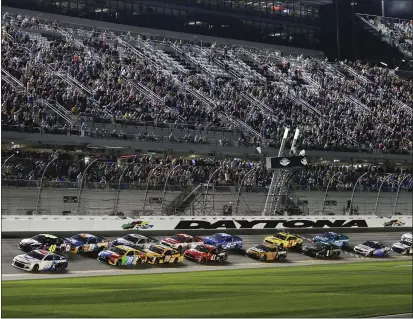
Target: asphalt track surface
{"x":87,"y":265}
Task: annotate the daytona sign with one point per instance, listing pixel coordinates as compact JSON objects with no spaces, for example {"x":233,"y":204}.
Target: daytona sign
{"x":270,"y":223}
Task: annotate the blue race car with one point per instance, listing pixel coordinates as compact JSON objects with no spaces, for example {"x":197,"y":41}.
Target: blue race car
{"x":224,"y":241}
{"x":338,"y":240}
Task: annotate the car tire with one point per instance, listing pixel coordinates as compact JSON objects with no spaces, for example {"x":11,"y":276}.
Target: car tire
{"x":176,"y":261}
{"x":119,"y":263}
{"x":180,"y":249}
{"x":59,"y":267}
{"x":203,"y":260}
{"x":156,"y":261}
{"x":264,"y":258}
{"x":80,"y":250}
{"x":35,"y":268}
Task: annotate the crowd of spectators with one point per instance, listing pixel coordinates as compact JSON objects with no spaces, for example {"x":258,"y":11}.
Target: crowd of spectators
{"x":90,"y":75}
{"x":68,"y":170}
{"x":399,"y":32}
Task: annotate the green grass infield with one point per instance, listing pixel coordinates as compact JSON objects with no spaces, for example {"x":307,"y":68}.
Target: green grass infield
{"x":342,"y":290}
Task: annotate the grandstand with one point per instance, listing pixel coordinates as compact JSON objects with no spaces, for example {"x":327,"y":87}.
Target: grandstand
{"x":70,"y":84}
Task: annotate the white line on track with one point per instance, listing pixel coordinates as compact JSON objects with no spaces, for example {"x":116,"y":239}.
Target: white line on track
{"x":120,"y":272}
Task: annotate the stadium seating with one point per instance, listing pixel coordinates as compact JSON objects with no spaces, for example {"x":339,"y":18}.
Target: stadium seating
{"x":25,"y":168}
{"x":65,"y":80}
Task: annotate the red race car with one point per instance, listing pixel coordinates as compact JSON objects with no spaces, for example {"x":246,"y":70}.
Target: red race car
{"x":182,"y":242}
{"x":206,"y":253}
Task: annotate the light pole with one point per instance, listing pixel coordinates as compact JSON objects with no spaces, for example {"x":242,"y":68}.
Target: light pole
{"x":209,"y":181}
{"x":41,"y":184}
{"x":328,"y":186}
{"x":81,"y":186}
{"x":240,"y":187}
{"x":116,"y":203}
{"x":378,"y":195}
{"x":354,"y":189}
{"x":398,"y":192}
{"x":147,"y":184}
{"x":166,"y":183}
{"x":7,"y":159}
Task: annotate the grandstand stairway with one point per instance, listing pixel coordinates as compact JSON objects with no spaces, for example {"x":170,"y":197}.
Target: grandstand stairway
{"x":181,"y":204}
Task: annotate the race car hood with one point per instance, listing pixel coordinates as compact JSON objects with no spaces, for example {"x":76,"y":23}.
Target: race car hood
{"x":122,"y":241}
{"x":25,"y":258}
{"x":211,"y":241}
{"x":171,"y":241}
{"x":255,"y":250}
{"x":108,"y":253}
{"x":401,"y":245}
{"x":29,"y":241}
{"x":194,"y":252}
{"x":364,"y":248}
{"x":152,"y":253}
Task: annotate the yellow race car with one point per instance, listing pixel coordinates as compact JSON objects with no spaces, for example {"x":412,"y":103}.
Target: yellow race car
{"x":122,"y":256}
{"x":159,"y":254}
{"x":264,"y":253}
{"x":285,"y":240}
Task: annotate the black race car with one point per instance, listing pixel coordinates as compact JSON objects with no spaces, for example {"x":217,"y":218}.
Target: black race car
{"x":48,"y":242}
{"x":321,"y":250}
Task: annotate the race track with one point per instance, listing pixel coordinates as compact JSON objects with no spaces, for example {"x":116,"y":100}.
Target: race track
{"x":84,"y":265}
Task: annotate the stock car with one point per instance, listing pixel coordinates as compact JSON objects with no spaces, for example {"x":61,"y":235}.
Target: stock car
{"x":45,"y":241}
{"x":160,"y":254}
{"x":407,"y":237}
{"x":321,"y":250}
{"x":338,"y":240}
{"x":286,"y":240}
{"x":182,"y":242}
{"x":122,"y":256}
{"x":134,"y":240}
{"x":404,"y":246}
{"x":40,"y":260}
{"x":87,"y":243}
{"x":264,"y":253}
{"x":372,"y":248}
{"x":206,"y":253}
{"x":394,"y":223}
{"x":224,"y":241}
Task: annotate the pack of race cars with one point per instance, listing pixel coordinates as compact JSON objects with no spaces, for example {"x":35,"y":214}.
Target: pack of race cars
{"x":45,"y":252}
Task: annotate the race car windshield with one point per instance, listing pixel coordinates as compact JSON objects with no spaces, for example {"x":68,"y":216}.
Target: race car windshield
{"x":35,"y":254}
{"x":407,"y":243}
{"x":372,"y":245}
{"x":282,"y":237}
{"x":80,"y":238}
{"x":178,"y":238}
{"x":118,"y":251}
{"x":156,"y":250}
{"x":202,"y":249}
{"x":40,"y":238}
{"x":131,"y":238}
{"x":262,"y":247}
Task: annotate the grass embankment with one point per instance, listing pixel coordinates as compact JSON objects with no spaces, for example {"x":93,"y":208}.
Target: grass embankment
{"x":342,"y":290}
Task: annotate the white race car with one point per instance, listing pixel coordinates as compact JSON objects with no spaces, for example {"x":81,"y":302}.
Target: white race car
{"x":182,"y":242}
{"x":407,"y":238}
{"x":40,"y":260}
{"x":405,"y":246}
{"x":136,"y":241}
{"x":372,"y":248}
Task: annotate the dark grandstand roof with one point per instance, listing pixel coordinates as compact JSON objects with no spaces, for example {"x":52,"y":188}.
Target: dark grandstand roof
{"x":162,"y":33}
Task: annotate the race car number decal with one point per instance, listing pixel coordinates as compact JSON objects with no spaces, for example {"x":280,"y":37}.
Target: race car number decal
{"x":91,"y":247}
{"x":213,"y":257}
{"x":167,"y":258}
{"x":52,"y":248}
